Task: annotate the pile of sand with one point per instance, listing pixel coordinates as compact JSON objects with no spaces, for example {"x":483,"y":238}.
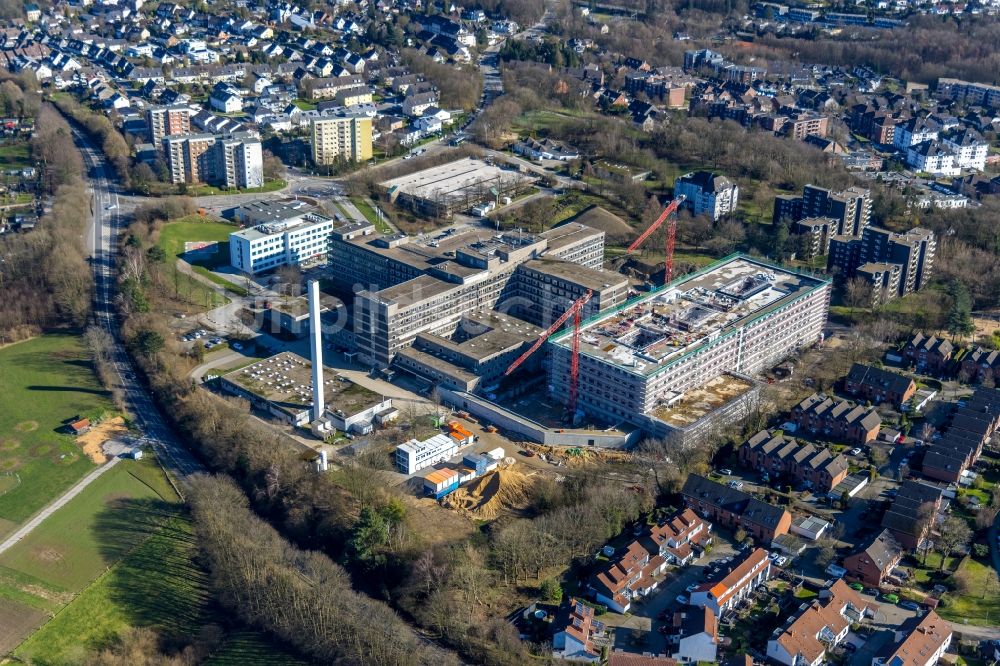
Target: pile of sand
{"x":91,"y":441}
{"x":486,"y":497}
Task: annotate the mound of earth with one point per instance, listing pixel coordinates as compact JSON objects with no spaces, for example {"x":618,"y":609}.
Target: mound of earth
{"x":599,"y":218}
{"x":486,"y":497}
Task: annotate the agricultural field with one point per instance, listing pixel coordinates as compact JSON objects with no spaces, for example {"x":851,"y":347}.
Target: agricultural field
{"x":45,"y":382}
{"x":43,"y":573}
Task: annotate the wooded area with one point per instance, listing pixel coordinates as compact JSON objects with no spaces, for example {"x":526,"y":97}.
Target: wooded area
{"x":44,"y":274}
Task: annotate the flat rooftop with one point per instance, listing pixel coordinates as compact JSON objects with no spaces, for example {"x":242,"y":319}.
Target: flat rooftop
{"x":451,"y":180}
{"x":267,"y":229}
{"x":648,"y":333}
{"x":591,"y":278}
{"x":285,"y":380}
{"x":698,"y":403}
{"x":484,"y":333}
{"x":427,"y":251}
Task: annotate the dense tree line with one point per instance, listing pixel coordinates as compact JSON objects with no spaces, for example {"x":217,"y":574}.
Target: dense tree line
{"x":300,"y":596}
{"x":459,"y":86}
{"x":929,"y":48}
{"x":103,"y":132}
{"x":44,"y":275}
{"x":19,"y":95}
{"x":525,"y":12}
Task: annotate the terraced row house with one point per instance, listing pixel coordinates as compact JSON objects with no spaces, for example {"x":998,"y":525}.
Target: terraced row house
{"x":777,"y":455}
{"x":837,"y":419}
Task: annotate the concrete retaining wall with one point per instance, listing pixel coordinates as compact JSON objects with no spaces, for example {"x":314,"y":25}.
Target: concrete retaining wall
{"x":530,"y":430}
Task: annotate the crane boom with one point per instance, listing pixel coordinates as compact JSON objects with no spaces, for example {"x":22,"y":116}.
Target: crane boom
{"x":573,"y":309}
{"x":668,"y":255}
{"x":671,"y":208}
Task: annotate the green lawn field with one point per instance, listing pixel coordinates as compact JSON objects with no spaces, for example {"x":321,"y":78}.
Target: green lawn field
{"x":44,"y":382}
{"x":195,"y":228}
{"x":129,"y":534}
{"x":78,"y":542}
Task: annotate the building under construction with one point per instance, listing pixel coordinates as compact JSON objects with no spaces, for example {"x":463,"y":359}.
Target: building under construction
{"x":678,"y":358}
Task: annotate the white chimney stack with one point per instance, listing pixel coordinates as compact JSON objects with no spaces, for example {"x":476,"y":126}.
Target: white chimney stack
{"x":316,"y":345}
{"x":323,"y":463}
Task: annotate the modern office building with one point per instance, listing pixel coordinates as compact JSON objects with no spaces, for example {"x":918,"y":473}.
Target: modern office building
{"x":279,"y":235}
{"x":443,"y":190}
{"x":341,"y":139}
{"x":707,"y":331}
{"x":231,"y":161}
{"x":164,"y":121}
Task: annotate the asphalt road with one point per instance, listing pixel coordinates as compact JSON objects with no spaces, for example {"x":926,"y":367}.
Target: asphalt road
{"x":106,"y":224}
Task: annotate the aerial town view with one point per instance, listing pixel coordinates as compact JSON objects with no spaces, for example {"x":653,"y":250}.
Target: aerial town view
{"x":499,"y":332}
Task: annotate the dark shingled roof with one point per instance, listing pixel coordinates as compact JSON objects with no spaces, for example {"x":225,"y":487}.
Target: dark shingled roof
{"x":732,"y":500}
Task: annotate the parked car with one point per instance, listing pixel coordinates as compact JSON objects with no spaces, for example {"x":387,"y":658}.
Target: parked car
{"x":909,"y":605}
{"x":682,"y":598}
{"x":850,"y":647}
{"x":237,"y":346}
{"x":856,"y":586}
{"x":856,"y":451}
{"x":891,"y":598}
{"x":692,"y":587}
{"x":738,"y":485}
{"x":726,"y":471}
{"x":781,"y":561}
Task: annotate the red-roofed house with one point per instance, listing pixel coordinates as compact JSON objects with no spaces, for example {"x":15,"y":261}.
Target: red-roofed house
{"x":577,"y":635}
{"x":722,"y":595}
{"x":918,"y":642}
{"x":680,"y":538}
{"x":628,"y":577}
{"x":819,"y":625}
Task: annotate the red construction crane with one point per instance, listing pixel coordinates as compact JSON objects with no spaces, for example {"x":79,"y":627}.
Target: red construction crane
{"x":574,"y":311}
{"x":668,"y":269}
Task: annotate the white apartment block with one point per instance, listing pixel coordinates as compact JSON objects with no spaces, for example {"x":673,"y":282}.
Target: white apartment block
{"x":914,"y":131}
{"x":969,"y":147}
{"x":707,"y":193}
{"x":737,"y":315}
{"x":286,"y":242}
{"x":932,"y":157}
{"x":347,"y":138}
{"x":241,"y":163}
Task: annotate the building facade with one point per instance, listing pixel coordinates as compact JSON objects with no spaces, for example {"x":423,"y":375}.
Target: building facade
{"x":287,"y":242}
{"x":164,"y":121}
{"x":707,"y":193}
{"x":235,"y":161}
{"x":739,"y":315}
{"x":341,"y":139}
